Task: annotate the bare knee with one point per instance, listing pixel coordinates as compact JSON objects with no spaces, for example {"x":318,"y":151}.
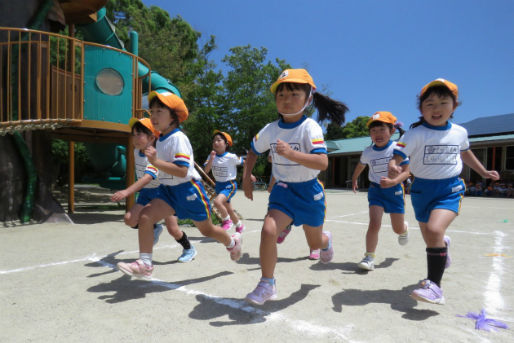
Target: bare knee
{"x":130,"y":220}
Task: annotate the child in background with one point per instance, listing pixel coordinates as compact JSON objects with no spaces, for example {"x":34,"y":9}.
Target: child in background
{"x":147,"y":184}
{"x":181,"y":191}
{"x":436,"y":148}
{"x":224,"y":168}
{"x":298,"y":155}
{"x":384,"y":194}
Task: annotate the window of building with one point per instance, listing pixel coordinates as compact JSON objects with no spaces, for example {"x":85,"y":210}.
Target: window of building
{"x":509,"y":158}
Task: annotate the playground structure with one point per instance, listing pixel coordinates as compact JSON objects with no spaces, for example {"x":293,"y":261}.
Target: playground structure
{"x":76,"y":90}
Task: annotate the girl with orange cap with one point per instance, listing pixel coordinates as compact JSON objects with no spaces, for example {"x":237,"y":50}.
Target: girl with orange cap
{"x":147,"y":184}
{"x":436,"y":148}
{"x":224,"y":168}
{"x":299,"y":153}
{"x":384,"y":194}
{"x":181,"y":191}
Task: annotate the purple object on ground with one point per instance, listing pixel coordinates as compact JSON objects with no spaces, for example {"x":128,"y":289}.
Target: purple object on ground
{"x":483,"y":323}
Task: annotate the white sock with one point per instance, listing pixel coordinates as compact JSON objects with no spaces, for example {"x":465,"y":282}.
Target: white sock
{"x":146,"y":258}
{"x":239,"y":224}
{"x":226,"y":218}
{"x":232,"y":243}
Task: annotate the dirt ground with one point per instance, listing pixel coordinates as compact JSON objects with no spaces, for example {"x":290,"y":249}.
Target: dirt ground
{"x":59,"y":283}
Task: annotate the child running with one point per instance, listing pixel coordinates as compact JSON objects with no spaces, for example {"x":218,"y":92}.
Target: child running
{"x":180,"y":192}
{"x":147,"y":184}
{"x":436,"y":148}
{"x":298,"y":155}
{"x":384,"y":194}
{"x":224,"y":168}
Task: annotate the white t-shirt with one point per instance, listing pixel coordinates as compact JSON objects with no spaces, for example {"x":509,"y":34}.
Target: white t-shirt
{"x":304,"y":135}
{"x":434,"y":151}
{"x":175,"y":148}
{"x":224,"y":166}
{"x":378,"y":159}
{"x":144,"y":167}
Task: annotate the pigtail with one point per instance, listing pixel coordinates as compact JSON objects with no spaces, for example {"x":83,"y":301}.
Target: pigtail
{"x":398,"y":126}
{"x":418,"y":123}
{"x":329,"y":108}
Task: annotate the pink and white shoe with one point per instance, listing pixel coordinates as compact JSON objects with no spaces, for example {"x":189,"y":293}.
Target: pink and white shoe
{"x":240,"y":228}
{"x":314,"y":255}
{"x":235,"y":251}
{"x":226,"y":225}
{"x":137,"y":269}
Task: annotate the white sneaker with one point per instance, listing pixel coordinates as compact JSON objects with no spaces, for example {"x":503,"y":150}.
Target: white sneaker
{"x":262,"y":293}
{"x":403,"y":238}
{"x":367,"y":263}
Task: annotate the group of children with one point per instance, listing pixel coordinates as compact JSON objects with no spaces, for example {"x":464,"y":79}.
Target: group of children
{"x":433,"y":150}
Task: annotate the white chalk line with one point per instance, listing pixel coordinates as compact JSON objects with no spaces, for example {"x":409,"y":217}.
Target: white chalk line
{"x":492,"y":295}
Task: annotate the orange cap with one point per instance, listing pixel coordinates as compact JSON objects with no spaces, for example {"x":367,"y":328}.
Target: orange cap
{"x":173,"y":102}
{"x":226,"y":135}
{"x":145,"y":122}
{"x":382,"y":116}
{"x":293,"y":76}
{"x":441,"y":82}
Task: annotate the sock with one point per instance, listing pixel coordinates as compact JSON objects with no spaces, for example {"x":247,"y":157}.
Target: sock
{"x":372,"y":254}
{"x":184,"y":241}
{"x":226,"y":218}
{"x":232,"y":243}
{"x":146,"y":258}
{"x":436,"y":259}
{"x":239,"y":223}
{"x":271,"y":281}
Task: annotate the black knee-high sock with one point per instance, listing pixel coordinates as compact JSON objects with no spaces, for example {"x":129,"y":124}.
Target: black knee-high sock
{"x":184,"y":241}
{"x":436,"y":259}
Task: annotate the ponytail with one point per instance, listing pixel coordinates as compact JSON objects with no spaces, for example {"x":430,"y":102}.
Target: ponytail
{"x":329,"y":108}
{"x":398,"y":126}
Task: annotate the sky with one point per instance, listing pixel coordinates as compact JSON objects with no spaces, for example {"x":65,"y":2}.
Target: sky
{"x":374,"y":55}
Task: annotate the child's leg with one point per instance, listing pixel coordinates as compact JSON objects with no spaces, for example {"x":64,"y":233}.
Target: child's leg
{"x":172,"y":226}
{"x":315,"y":238}
{"x":231,"y":212}
{"x":398,"y":223}
{"x":274,"y":222}
{"x":219,"y":202}
{"x":208,"y":229}
{"x":157,"y":210}
{"x":375,"y":222}
{"x":433,"y":233}
{"x":131,"y":218}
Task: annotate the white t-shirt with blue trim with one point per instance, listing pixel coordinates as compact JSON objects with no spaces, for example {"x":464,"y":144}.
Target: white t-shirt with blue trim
{"x":224,"y":166}
{"x":304,"y":135}
{"x":144,"y":167}
{"x":377,"y":159}
{"x":434,"y":151}
{"x":175,"y":148}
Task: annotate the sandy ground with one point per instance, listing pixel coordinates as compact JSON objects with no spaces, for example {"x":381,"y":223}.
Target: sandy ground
{"x":59,"y":283}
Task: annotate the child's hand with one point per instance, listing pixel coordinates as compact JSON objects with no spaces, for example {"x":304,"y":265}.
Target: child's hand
{"x":394,"y":171}
{"x":492,"y":174}
{"x":248,"y":187}
{"x":120,"y":195}
{"x":386,"y":182}
{"x":355,"y":186}
{"x":151,"y":154}
{"x":282,"y":148}
{"x":213,"y":154}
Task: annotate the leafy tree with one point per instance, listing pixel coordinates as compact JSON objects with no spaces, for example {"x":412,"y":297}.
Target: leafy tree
{"x":356,"y":128}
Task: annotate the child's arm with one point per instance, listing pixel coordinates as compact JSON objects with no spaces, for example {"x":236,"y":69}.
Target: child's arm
{"x":386,"y":182}
{"x":358,"y":170}
{"x":167,"y":167}
{"x":136,"y":186}
{"x":313,"y":161}
{"x":251,"y":158}
{"x":471,"y":161}
{"x":271,"y":183}
{"x":208,"y":166}
{"x":394,"y":166}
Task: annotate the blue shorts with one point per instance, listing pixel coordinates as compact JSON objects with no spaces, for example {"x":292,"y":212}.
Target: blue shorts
{"x":427,"y":195}
{"x":227,"y":188}
{"x":146,"y":195}
{"x":188,"y":199}
{"x":302,"y":201}
{"x":392,"y":199}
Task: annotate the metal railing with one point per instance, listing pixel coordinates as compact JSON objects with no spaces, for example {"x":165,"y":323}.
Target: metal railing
{"x":42,"y":80}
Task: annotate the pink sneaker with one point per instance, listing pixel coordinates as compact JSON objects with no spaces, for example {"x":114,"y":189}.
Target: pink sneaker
{"x":241,"y":228}
{"x":136,"y":269}
{"x":314,"y":255}
{"x":226,"y":225}
{"x":235,"y":251}
{"x":326,"y":255}
{"x":284,"y":234}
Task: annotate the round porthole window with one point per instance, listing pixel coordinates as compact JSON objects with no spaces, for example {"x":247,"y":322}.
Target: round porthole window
{"x":109,"y":81}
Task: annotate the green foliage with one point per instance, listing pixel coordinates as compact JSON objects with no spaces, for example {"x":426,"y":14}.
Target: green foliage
{"x":356,"y":128}
{"x":60,"y":156}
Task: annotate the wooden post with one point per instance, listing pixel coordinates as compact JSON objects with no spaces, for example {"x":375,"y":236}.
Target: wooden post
{"x":130,"y":175}
{"x":71,"y":177}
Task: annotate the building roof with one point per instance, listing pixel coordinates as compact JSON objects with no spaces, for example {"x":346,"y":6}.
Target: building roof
{"x":492,"y":125}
